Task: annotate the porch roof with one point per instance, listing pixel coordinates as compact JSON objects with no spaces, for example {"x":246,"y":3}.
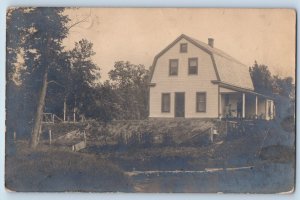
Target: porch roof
{"x":239,"y":89}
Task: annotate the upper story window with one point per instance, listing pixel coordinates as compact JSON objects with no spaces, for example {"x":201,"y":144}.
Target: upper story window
{"x":183,"y":47}
{"x":173,"y":67}
{"x":193,"y":66}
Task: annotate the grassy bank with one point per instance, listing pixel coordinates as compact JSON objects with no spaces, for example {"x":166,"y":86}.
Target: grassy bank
{"x":50,"y":170}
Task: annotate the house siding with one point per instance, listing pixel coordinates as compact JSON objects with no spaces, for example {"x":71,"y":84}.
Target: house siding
{"x":189,"y":84}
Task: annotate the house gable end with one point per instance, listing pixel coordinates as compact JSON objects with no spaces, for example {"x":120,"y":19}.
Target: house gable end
{"x":173,"y":44}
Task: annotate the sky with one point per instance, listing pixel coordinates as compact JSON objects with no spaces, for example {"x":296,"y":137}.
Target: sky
{"x":138,"y":34}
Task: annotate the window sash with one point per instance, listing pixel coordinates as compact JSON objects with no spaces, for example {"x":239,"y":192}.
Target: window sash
{"x":193,"y":65}
{"x":183,"y":47}
{"x":201,"y":102}
{"x":173,"y":67}
{"x":165,"y":102}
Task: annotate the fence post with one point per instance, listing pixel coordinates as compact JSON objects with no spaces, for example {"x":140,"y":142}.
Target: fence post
{"x":50,"y":136}
{"x":74,"y":115}
{"x":84,"y":135}
{"x":15,"y":136}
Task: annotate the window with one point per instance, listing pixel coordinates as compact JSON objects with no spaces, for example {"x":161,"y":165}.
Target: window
{"x":183,"y":47}
{"x":165,"y":102}
{"x":173,"y":67}
{"x":201,"y":102}
{"x":193,"y":65}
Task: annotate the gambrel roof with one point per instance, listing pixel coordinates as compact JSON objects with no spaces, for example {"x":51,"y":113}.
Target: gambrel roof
{"x":228,"y":70}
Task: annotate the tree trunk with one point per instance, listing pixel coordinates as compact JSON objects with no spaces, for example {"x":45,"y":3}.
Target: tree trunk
{"x":39,"y":113}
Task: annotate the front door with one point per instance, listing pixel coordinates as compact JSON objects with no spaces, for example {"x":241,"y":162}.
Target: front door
{"x":179,"y":104}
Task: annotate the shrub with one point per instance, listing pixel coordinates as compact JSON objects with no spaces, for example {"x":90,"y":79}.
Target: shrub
{"x":147,"y":139}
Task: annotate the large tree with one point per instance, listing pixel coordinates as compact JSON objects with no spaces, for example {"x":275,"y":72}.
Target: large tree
{"x":261,"y":78}
{"x":84,"y":76}
{"x":39,"y":41}
{"x":48,"y":75}
{"x":131,"y":85}
{"x":266,"y":83}
{"x":103,"y":104}
{"x":13,"y":38}
{"x":284,"y":86}
{"x":281,"y":89}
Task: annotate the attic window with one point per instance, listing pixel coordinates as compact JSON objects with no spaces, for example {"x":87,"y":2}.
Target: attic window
{"x":183,"y":47}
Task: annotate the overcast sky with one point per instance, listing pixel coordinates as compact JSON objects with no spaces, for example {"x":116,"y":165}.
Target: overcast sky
{"x":137,"y":35}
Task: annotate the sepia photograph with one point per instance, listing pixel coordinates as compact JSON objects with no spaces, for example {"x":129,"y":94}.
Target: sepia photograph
{"x":150,"y":100}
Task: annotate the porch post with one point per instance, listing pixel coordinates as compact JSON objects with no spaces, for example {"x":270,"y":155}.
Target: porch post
{"x":220,"y":105}
{"x":266,"y":109}
{"x":256,"y":102}
{"x":244,"y":106}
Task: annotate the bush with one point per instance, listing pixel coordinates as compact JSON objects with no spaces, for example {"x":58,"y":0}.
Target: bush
{"x":288,"y":124}
{"x":134,"y":139}
{"x":147,"y":139}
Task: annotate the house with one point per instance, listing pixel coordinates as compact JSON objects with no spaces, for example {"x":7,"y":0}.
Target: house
{"x":192,"y":79}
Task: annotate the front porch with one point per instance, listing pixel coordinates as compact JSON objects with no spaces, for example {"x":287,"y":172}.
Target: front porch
{"x":245,"y":105}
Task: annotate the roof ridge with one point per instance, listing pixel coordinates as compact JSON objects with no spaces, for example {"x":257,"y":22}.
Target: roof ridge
{"x":215,"y":50}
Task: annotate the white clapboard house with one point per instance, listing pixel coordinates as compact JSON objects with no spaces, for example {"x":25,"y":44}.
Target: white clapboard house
{"x":192,"y":79}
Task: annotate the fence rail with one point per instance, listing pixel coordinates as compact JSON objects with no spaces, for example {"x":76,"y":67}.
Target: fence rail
{"x":50,"y":118}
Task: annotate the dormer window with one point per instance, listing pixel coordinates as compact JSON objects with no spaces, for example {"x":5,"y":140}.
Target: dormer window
{"x":193,"y":66}
{"x":173,"y":67}
{"x":183,"y":47}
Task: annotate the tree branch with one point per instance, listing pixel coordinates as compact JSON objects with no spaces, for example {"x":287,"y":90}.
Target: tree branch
{"x":56,"y":83}
{"x":80,"y":21}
